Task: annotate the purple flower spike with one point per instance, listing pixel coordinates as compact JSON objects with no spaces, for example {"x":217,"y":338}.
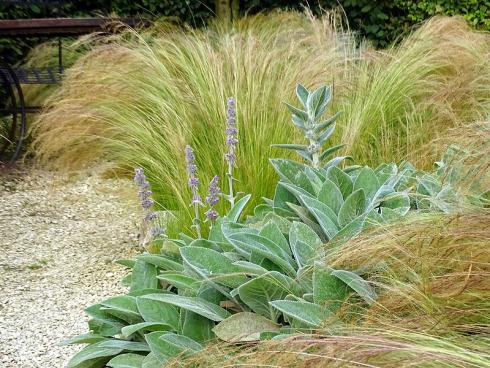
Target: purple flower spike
{"x":231,"y":131}
{"x":146,"y":202}
{"x":211,"y":214}
{"x":214,"y":192}
{"x":213,"y":198}
{"x":193,"y":182}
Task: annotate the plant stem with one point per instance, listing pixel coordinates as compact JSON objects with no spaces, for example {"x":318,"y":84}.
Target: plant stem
{"x":315,"y":156}
{"x":231,"y":196}
{"x":196,"y":220}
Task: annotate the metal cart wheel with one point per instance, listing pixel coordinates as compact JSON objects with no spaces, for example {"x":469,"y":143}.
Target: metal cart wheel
{"x":13,"y":121}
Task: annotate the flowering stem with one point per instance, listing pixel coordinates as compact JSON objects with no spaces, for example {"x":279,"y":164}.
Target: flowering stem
{"x":315,"y":155}
{"x":231,"y":195}
{"x":231,"y":142}
{"x":197,"y":224}
{"x":193,"y":183}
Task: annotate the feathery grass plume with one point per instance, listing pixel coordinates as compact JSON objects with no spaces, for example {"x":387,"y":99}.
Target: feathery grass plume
{"x":144,"y":96}
{"x":358,"y":348}
{"x":404,"y":96}
{"x":433,"y":272}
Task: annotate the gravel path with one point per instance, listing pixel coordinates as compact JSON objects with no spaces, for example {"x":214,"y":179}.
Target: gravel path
{"x":58,"y":238}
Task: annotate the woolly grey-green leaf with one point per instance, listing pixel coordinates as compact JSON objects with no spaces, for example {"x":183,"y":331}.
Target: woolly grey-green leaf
{"x":368,"y":181}
{"x":306,"y":313}
{"x":328,"y":290}
{"x":341,"y":180}
{"x":326,"y":218}
{"x":244,"y":326}
{"x":149,"y":326}
{"x":331,"y":196}
{"x":264,"y":247}
{"x":272,"y":232}
{"x":358,"y":284}
{"x":128,"y":360}
{"x":143,"y":276}
{"x":258,"y":292}
{"x":234,"y":214}
{"x":353,"y":207}
{"x":302,"y":94}
{"x":160,"y":261}
{"x":180,"y":280}
{"x":154,"y":311}
{"x":194,"y":304}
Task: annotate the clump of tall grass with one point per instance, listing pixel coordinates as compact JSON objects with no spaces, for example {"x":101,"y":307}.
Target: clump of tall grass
{"x":402,"y":97}
{"x":138,"y":99}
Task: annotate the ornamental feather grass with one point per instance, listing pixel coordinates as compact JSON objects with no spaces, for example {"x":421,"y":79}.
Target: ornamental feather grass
{"x":137,"y":99}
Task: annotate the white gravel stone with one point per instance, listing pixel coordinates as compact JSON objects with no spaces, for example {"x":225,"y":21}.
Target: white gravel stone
{"x":59,"y":236}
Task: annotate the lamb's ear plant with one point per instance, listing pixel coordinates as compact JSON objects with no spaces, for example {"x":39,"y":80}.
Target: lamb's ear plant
{"x":262,"y":279}
{"x":336,"y":203}
{"x":315,"y":129}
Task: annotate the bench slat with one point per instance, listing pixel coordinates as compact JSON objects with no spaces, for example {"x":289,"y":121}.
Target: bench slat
{"x":46,"y":75}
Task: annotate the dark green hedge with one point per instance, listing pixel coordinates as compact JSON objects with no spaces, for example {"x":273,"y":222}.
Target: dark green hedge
{"x":380,"y":21}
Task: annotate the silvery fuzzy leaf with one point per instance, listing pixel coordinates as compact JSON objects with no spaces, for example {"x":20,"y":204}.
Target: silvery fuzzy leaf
{"x":350,"y":230}
{"x":326,"y":134}
{"x":358,"y":284}
{"x":337,"y":160}
{"x":272,"y":232}
{"x":325,"y":123}
{"x":331,"y":195}
{"x":398,"y":202}
{"x":353,"y":207}
{"x":305,"y":243}
{"x":258,"y":292}
{"x":341,"y":180}
{"x":302,"y":94}
{"x":368,"y":181}
{"x":385,"y":172}
{"x":194,"y":304}
{"x":244,"y":326}
{"x":128,"y":360}
{"x":303,"y":115}
{"x":293,"y":172}
{"x":328,"y":290}
{"x":309,"y":314}
{"x":237,"y":209}
{"x":317,"y":102}
{"x":308,"y":219}
{"x":330,"y":151}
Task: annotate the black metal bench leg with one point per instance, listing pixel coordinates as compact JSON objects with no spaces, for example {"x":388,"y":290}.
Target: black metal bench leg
{"x":23,"y":116}
{"x":17,"y":109}
{"x":6,"y":140}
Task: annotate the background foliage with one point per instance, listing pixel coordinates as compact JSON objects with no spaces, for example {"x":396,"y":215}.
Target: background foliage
{"x":380,"y":21}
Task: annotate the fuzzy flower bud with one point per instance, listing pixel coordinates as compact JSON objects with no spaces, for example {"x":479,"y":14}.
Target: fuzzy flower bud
{"x":211,"y":214}
{"x":214,"y":192}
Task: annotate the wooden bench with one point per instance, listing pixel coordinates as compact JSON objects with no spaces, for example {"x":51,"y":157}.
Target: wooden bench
{"x":13,"y":110}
